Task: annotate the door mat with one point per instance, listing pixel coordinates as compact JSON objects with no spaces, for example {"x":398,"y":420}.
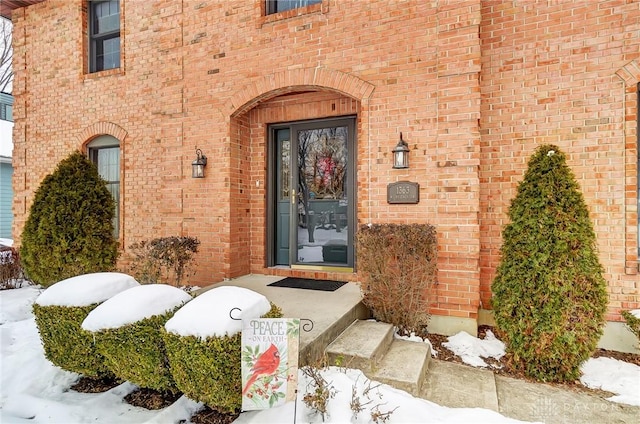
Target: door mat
{"x":308,"y":284}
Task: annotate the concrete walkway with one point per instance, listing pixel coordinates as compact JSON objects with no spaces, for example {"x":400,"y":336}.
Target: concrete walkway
{"x":447,"y":383}
{"x":456,"y":385}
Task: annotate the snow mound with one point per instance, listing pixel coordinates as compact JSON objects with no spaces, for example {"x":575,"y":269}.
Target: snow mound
{"x":208,"y":314}
{"x":133,"y":305}
{"x":417,"y":339}
{"x":472,"y":349}
{"x":612,"y":375}
{"x":86,"y":289}
{"x":17,"y":304}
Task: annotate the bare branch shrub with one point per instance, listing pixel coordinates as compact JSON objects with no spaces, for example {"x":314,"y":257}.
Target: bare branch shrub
{"x":166,"y":259}
{"x":397,"y":265}
{"x":369,"y":391}
{"x":378,"y":416}
{"x":321,"y":391}
{"x":10,"y":268}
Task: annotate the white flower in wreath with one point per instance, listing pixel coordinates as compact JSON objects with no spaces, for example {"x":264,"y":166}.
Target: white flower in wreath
{"x":551,"y":153}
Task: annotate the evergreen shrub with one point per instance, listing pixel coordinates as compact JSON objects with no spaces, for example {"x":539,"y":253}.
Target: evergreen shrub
{"x":127,"y":332}
{"x":166,"y":259}
{"x":397,"y":268}
{"x":136,"y":353}
{"x":633,"y":323}
{"x":65,"y":343}
{"x":69,"y":230}
{"x":60,"y":311}
{"x":209,"y":370}
{"x":549,"y":293}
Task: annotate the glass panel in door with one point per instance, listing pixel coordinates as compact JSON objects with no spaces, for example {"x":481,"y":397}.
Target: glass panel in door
{"x":322,"y":233}
{"x":283,"y":196}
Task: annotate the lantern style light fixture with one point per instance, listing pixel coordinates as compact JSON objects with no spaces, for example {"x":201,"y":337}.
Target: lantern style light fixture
{"x":401,"y":154}
{"x":197,"y":166}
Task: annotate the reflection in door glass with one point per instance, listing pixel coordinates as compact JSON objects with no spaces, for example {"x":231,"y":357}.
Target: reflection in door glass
{"x":322,"y":195}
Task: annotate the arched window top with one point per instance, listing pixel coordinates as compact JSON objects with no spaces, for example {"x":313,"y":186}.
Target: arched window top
{"x":103,"y":141}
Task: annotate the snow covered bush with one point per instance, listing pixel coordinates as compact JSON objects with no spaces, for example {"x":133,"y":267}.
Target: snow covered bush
{"x":127,"y":333}
{"x":549,"y":293}
{"x":69,"y":230}
{"x":397,"y":267}
{"x":203,"y":344}
{"x":632,"y":319}
{"x":59,"y":312}
{"x":164,"y":259}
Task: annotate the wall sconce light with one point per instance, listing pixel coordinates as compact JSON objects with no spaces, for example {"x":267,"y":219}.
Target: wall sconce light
{"x":401,"y":154}
{"x":197,"y":166}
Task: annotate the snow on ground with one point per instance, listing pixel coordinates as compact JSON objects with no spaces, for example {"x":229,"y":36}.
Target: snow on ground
{"x":15,"y":305}
{"x":33,"y":391}
{"x":414,"y":338}
{"x":383,"y":398}
{"x":612,"y":375}
{"x":472,"y":349}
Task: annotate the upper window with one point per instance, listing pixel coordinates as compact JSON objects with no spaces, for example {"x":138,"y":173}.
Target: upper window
{"x":104,"y":35}
{"x":6,"y":107}
{"x":277,"y":6}
{"x":6,"y":112}
{"x":104,"y":151}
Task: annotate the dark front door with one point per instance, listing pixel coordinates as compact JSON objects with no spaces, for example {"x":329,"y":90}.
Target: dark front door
{"x":312,"y":193}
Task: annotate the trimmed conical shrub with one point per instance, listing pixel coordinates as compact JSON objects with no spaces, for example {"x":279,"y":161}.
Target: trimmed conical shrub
{"x":549,"y":294}
{"x":69,"y":230}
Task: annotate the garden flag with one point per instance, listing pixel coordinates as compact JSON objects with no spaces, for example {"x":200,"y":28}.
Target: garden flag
{"x":269,"y":362}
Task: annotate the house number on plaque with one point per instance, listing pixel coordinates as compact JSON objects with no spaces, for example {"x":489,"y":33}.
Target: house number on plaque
{"x":403,"y":192}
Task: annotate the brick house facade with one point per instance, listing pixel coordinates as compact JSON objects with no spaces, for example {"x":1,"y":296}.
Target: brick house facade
{"x":473,"y":85}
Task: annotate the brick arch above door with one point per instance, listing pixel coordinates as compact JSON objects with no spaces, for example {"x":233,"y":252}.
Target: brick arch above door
{"x":297,"y":80}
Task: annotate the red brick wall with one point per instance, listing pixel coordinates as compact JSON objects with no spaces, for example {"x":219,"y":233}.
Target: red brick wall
{"x":470,"y":90}
{"x":550,"y":75}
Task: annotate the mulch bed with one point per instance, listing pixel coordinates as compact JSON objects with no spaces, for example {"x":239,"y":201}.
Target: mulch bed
{"x":95,"y":385}
{"x":209,"y":416}
{"x":503,"y":367}
{"x":151,"y":399}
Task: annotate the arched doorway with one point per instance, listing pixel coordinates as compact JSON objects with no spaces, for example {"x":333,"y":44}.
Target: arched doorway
{"x":294,"y":155}
{"x":285,"y":98}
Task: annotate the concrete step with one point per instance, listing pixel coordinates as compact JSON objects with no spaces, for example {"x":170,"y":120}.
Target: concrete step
{"x":313,"y":344}
{"x":404,"y":366}
{"x":362,"y":345}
